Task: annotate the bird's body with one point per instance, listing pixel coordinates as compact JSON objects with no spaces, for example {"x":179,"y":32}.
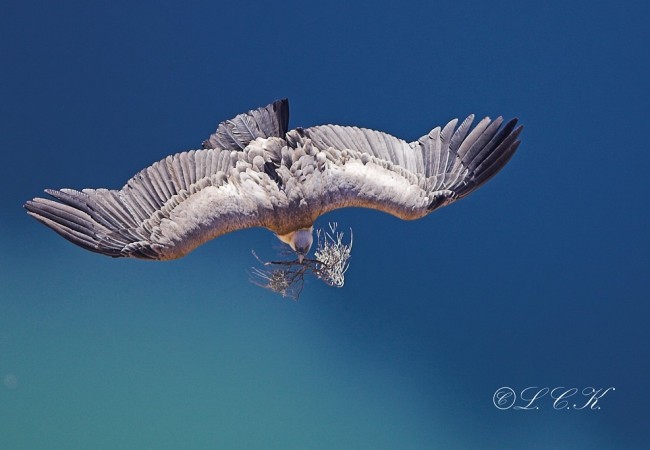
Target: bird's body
{"x":253,"y":172}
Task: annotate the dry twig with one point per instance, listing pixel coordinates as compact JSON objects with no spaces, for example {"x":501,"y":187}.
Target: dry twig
{"x":331,"y":262}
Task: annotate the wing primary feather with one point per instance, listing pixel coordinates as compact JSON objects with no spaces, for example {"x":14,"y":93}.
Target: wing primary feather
{"x":62,"y":214}
{"x":473,"y":135}
{"x":480,"y":147}
{"x":505,"y":133}
{"x":71,"y":235}
{"x":86,"y":203}
{"x":446,"y":136}
{"x":460,"y":133}
{"x":487,"y":173}
{"x":478,"y":164}
{"x":437,"y":166}
{"x":80,"y":202}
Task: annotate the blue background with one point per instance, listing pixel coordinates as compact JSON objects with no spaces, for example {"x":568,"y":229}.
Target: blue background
{"x":538,"y":279}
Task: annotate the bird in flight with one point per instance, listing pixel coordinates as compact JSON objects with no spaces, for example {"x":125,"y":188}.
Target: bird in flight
{"x":254,"y":172}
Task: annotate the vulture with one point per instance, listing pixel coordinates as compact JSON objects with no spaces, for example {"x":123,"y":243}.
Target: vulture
{"x":255,"y":172}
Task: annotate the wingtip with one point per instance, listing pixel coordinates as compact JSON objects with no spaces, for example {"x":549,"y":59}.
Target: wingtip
{"x":30,"y":205}
{"x":512,"y":122}
{"x":282,"y":103}
{"x":35,"y":216}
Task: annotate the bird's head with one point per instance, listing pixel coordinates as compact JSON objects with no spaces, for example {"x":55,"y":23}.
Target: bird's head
{"x":300,"y":241}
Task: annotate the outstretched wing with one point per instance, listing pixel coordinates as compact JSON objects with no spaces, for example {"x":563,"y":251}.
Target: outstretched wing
{"x":175,"y":205}
{"x":367,"y":168}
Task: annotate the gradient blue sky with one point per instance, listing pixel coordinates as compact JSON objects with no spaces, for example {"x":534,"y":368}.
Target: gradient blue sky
{"x":538,"y":279}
